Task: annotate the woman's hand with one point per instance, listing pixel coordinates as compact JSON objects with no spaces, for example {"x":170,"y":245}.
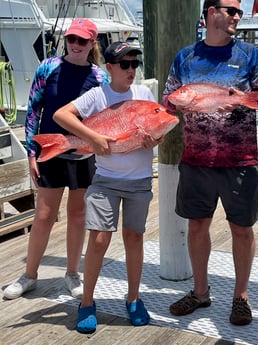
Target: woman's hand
{"x":34,"y":171}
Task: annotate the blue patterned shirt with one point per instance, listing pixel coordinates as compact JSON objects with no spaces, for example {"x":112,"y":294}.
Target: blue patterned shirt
{"x":218,"y":139}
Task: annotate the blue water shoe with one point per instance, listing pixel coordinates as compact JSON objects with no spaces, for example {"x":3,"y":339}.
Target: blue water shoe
{"x":87,"y":322}
{"x":138,"y":314}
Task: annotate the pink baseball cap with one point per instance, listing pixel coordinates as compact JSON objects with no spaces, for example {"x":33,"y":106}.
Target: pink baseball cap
{"x":83,"y":28}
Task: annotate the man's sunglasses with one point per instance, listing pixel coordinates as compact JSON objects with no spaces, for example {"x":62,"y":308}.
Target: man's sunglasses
{"x":231,"y":11}
{"x":125,"y":64}
{"x":72,"y":39}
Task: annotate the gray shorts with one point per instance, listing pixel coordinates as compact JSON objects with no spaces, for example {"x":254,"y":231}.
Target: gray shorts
{"x":105,"y":196}
{"x":200,"y":187}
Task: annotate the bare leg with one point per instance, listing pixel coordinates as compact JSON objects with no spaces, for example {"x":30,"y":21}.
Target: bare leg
{"x":96,"y":249}
{"x":199,"y":245}
{"x":48,"y":202}
{"x":75,"y":228}
{"x":243,"y":247}
{"x":133,"y":243}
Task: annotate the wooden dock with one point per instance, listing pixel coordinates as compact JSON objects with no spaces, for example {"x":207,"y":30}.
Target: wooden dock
{"x":47,"y":316}
{"x":38,"y":318}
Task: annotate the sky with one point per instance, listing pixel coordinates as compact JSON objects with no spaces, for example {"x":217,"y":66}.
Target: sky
{"x":135,"y":5}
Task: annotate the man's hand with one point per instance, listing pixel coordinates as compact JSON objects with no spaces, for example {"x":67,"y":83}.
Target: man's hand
{"x":229,"y":107}
{"x":149,"y":142}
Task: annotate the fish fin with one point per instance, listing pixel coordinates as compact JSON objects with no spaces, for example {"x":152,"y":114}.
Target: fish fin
{"x":51,"y":145}
{"x":250,"y":100}
{"x":127,"y":141}
{"x":126,"y":135}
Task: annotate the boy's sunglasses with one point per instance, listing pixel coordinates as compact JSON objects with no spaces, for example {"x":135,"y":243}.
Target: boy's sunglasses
{"x":72,"y":39}
{"x":231,"y":11}
{"x":125,"y":64}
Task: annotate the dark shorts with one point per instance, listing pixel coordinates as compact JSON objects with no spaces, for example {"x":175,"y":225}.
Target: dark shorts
{"x":59,"y":172}
{"x":200,"y":187}
{"x":105,"y":196}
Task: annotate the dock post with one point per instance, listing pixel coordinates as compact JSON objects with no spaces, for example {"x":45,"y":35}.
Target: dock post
{"x":174,"y":258}
{"x":169,"y":25}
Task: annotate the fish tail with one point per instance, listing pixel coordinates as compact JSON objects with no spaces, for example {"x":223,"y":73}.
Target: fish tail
{"x":51,"y":145}
{"x":250,"y":100}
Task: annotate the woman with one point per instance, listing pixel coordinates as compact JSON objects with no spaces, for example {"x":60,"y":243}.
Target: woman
{"x":57,"y":81}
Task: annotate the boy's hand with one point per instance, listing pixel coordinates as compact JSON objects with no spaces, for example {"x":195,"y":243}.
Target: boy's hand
{"x":101,"y":145}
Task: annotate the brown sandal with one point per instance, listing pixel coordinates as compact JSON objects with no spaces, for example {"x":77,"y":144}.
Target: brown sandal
{"x":189,"y":303}
{"x":241,"y":312}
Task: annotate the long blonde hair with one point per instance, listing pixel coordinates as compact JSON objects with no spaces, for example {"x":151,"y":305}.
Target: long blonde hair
{"x":95,"y":55}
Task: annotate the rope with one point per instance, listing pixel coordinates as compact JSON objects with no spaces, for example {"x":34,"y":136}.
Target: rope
{"x":61,"y":29}
{"x":7,"y":93}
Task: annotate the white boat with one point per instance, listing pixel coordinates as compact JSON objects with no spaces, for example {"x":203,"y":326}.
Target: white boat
{"x":32,"y":30}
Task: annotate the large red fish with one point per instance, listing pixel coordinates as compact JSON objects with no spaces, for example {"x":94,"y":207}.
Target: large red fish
{"x":127,"y":122}
{"x":255,"y":7}
{"x":208,"y":97}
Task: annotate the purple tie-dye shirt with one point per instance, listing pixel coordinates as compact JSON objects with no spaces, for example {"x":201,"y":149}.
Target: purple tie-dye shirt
{"x":56,"y":83}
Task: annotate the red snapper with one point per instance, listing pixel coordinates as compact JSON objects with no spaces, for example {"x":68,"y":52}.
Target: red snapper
{"x":208,"y":97}
{"x":127,"y":122}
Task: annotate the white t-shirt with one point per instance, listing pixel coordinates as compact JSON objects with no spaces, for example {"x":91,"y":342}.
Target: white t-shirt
{"x":129,"y":166}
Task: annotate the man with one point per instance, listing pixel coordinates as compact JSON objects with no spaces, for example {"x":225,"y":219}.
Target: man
{"x":220,"y":155}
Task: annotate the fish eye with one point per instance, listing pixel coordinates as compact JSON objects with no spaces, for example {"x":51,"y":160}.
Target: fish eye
{"x":157,"y":110}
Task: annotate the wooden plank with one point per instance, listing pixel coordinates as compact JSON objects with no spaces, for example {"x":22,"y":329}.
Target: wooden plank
{"x":16,"y":218}
{"x":17,"y":195}
{"x":14,"y":177}
{"x":18,"y":221}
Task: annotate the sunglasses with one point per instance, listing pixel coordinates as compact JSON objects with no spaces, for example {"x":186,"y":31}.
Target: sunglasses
{"x":231,"y":11}
{"x":72,"y":39}
{"x":125,"y":64}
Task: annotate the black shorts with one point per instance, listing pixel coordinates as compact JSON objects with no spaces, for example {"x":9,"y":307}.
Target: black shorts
{"x":200,"y":187}
{"x":59,"y":172}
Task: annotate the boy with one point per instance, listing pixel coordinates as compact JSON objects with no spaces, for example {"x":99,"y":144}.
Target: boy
{"x":119,"y":178}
